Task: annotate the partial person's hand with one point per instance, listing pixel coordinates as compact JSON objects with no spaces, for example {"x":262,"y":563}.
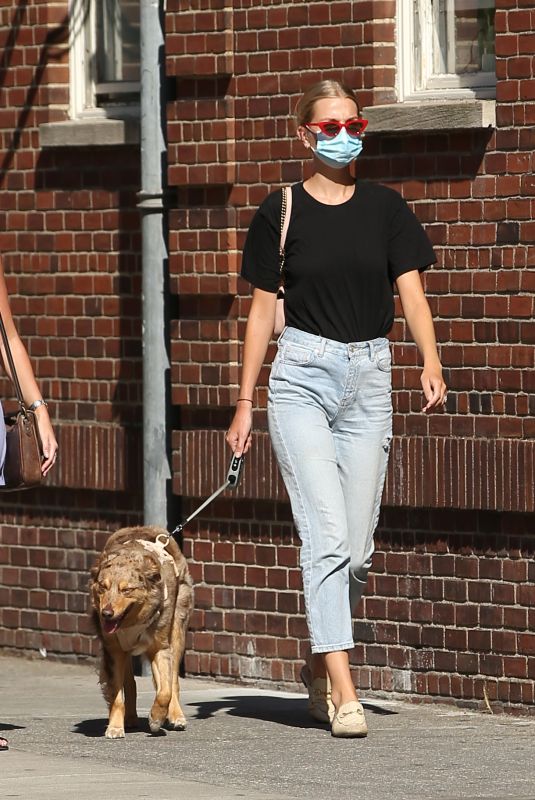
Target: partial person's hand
{"x":238,"y":436}
{"x":48,"y":440}
{"x":435,"y":389}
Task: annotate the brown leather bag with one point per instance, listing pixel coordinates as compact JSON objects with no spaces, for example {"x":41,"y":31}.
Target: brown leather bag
{"x":24,"y":452}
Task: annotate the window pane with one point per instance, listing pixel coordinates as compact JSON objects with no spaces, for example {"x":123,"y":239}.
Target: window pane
{"x":465,"y":33}
{"x":417,"y":44}
{"x":117,"y":28}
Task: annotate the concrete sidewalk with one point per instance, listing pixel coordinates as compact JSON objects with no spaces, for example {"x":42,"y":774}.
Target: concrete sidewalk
{"x":247,"y":743}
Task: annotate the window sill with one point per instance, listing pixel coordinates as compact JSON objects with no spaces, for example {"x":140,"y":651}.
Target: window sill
{"x":431,"y":116}
{"x":89,"y":133}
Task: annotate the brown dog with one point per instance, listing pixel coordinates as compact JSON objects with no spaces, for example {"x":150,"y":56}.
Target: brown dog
{"x":142,"y":599}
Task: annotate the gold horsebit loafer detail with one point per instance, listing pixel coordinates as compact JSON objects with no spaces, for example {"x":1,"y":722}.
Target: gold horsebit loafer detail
{"x":349,"y":721}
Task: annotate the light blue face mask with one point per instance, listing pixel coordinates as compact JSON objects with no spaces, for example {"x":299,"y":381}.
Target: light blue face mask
{"x":339,"y":151}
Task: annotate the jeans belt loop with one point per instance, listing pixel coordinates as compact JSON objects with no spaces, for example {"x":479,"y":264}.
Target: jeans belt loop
{"x":322,"y":346}
{"x":371,"y":345}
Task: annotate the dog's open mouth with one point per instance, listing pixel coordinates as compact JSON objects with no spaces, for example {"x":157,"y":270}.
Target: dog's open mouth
{"x":111,"y":624}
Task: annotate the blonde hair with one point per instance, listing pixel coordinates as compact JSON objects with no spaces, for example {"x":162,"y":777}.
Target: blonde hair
{"x":305,"y":107}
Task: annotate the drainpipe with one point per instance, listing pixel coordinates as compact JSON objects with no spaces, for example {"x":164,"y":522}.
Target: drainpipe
{"x":156,"y":471}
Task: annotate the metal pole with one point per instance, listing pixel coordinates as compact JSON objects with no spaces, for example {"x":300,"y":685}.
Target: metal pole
{"x":156,"y":471}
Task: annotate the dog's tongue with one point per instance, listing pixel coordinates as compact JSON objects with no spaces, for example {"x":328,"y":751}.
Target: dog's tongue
{"x":109,"y":625}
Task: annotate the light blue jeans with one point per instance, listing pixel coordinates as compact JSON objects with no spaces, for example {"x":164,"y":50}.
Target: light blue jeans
{"x":330,"y":421}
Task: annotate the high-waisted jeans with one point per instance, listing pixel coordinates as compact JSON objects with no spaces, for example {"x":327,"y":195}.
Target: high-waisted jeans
{"x":330,"y":421}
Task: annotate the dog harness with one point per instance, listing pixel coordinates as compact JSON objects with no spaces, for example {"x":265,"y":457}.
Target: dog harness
{"x":157,"y":548}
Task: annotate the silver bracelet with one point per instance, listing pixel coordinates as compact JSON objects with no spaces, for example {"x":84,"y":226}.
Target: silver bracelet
{"x":37,"y":403}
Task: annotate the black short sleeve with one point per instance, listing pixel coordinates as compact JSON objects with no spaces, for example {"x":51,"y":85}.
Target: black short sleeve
{"x":341,"y":261}
{"x":408,"y":245}
{"x":260,"y":261}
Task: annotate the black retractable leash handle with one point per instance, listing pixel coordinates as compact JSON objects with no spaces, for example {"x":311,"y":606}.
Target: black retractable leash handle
{"x":233,"y":477}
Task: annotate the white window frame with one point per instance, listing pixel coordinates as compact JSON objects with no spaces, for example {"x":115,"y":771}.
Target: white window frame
{"x":430,"y":85}
{"x":83,"y":89}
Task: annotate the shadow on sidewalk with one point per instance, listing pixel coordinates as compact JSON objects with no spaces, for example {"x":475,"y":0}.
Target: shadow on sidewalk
{"x":95,"y":728}
{"x":281,"y":710}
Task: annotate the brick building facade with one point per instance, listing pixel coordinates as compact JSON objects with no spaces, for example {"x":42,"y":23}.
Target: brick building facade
{"x":450,"y":606}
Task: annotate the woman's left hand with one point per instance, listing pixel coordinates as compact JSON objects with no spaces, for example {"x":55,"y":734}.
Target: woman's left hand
{"x":48,"y":440}
{"x":435,"y":390}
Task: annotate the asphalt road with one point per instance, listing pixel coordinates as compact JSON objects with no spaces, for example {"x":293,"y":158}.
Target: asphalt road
{"x":246,"y":743}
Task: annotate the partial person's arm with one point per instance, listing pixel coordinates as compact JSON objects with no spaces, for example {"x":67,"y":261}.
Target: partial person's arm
{"x":418,"y":315}
{"x":257,"y":335}
{"x":28,"y":384}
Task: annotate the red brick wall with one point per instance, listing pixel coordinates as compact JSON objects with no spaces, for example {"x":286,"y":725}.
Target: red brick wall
{"x":69,"y":238}
{"x":450,"y":602}
{"x":46,"y":552}
{"x":449,"y":609}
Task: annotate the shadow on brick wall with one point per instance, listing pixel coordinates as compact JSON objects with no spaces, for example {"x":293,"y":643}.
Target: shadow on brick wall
{"x":428,"y":157}
{"x":96,"y":263}
{"x":52,"y":50}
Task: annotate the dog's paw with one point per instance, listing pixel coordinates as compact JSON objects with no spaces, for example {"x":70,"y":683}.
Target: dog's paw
{"x":178,"y":724}
{"x":131,"y":723}
{"x":114,"y":733}
{"x":154,"y":724}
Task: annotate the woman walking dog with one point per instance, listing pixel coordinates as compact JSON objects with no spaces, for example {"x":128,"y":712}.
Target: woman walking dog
{"x":329,"y":404}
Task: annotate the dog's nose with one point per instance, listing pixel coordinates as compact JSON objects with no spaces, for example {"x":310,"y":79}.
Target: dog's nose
{"x":107,"y":612}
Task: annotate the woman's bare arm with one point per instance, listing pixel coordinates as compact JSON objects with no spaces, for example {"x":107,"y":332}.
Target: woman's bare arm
{"x":257,"y":335}
{"x":418,"y":315}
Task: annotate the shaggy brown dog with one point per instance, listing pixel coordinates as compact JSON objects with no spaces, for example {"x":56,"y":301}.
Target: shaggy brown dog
{"x":142,"y":598}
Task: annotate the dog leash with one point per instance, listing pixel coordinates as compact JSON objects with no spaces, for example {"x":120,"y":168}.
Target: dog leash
{"x":233,"y":477}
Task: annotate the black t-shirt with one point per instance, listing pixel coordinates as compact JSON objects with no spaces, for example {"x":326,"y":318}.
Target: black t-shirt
{"x":341,"y":261}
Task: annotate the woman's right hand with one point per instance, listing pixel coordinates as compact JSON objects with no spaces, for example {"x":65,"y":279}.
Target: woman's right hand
{"x":258,"y":332}
{"x":238,"y":436}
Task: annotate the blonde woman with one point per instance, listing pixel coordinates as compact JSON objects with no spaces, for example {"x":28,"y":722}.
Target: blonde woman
{"x":29,"y":387}
{"x":329,"y":405}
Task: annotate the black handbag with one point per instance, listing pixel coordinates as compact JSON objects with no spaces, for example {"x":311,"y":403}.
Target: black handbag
{"x":24,"y":451}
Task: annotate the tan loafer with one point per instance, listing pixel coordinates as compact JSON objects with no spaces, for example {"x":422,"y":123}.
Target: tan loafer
{"x":320,"y":705}
{"x":349,"y":721}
